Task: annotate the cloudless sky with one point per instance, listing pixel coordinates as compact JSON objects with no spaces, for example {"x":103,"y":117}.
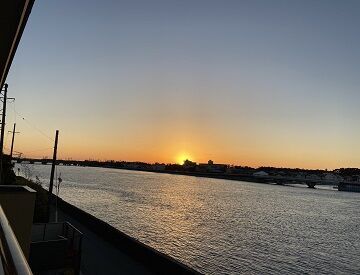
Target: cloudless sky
{"x":239,"y":82}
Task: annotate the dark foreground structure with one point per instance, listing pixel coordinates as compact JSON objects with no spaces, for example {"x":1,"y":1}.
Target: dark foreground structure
{"x":133,"y":257}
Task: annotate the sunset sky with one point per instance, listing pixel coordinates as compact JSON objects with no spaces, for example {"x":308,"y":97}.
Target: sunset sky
{"x":239,"y":82}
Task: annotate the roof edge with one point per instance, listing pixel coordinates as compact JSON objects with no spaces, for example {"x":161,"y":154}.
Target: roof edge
{"x":28,"y":4}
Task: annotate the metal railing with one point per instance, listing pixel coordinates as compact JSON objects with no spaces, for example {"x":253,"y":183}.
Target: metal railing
{"x":61,"y":237}
{"x":13,"y":260}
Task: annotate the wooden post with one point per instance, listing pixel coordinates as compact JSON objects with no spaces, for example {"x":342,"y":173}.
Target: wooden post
{"x":51,"y":185}
{"x":12,"y":141}
{"x":2,"y":132}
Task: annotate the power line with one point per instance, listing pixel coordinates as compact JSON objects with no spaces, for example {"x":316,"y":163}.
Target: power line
{"x":37,"y":129}
{"x":34,"y":127}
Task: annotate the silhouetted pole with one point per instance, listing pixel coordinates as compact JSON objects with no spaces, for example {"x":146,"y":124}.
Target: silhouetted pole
{"x":3,"y":131}
{"x":12,"y":141}
{"x":52,"y":173}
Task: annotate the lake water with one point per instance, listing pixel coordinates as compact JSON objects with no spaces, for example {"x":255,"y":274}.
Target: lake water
{"x":220,"y":226}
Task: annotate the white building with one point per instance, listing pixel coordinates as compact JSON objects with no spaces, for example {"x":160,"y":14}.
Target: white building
{"x":260,"y":174}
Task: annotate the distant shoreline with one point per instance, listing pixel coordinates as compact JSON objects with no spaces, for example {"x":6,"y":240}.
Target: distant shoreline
{"x":234,"y":177}
{"x":225,"y":176}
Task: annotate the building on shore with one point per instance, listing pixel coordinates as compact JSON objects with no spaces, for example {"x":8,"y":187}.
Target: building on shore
{"x":189,"y":165}
{"x":211,"y":167}
{"x":159,"y":167}
{"x":260,"y":174}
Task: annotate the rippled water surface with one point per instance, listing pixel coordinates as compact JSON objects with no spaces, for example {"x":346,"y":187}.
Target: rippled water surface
{"x":220,"y":226}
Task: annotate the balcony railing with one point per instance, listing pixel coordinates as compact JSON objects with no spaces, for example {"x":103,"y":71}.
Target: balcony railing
{"x":13,"y":261}
{"x":55,"y":246}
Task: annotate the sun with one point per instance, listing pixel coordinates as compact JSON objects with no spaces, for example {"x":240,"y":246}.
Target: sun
{"x":182,"y":157}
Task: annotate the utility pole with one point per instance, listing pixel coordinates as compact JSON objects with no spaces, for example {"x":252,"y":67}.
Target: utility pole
{"x":12,"y":140}
{"x":51,"y":185}
{"x":5,"y":99}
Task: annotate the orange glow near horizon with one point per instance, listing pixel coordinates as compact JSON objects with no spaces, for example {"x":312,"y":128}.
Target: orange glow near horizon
{"x":180,"y":158}
{"x":176,"y":146}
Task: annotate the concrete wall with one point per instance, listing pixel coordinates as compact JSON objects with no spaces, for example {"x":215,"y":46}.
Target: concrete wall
{"x":18,"y":204}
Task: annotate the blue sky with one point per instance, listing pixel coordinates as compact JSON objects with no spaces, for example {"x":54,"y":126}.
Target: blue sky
{"x":246,"y":82}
